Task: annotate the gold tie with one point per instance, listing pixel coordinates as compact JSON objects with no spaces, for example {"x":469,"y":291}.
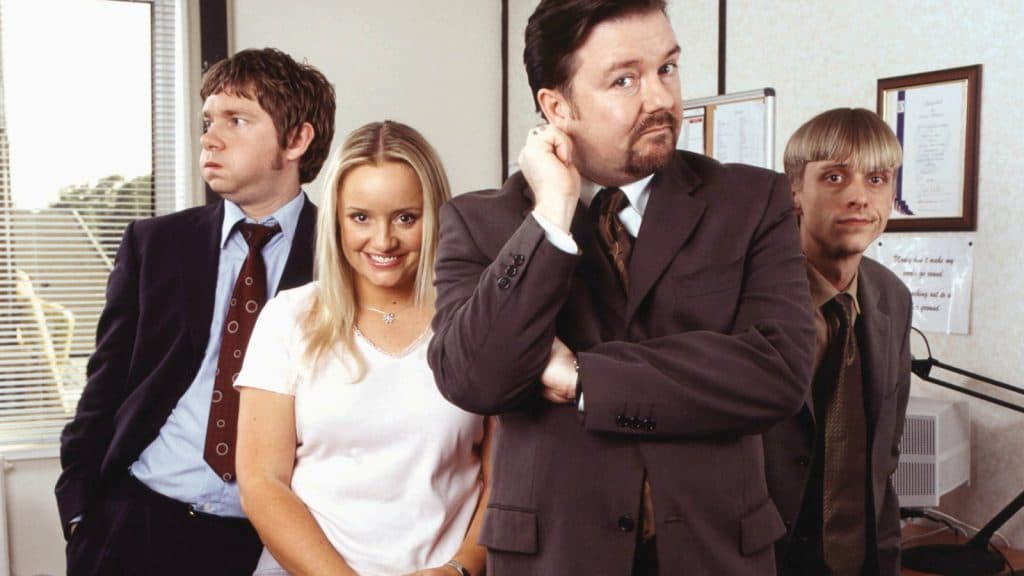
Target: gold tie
{"x":615,"y":239}
{"x":845,"y":466}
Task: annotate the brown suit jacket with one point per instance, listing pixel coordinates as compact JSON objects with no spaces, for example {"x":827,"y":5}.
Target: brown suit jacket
{"x":883,"y":331}
{"x":712,"y":346}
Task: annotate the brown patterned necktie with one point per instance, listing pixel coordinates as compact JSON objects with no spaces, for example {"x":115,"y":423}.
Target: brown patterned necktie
{"x":845,"y":467}
{"x":247,"y":299}
{"x":615,"y":239}
{"x":618,"y":244}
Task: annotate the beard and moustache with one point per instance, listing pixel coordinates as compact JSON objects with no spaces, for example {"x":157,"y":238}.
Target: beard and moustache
{"x":639,"y":163}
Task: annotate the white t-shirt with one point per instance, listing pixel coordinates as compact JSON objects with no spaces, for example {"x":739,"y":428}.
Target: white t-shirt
{"x":385,"y":465}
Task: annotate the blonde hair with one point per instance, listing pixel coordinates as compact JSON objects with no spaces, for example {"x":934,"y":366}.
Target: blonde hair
{"x":331,"y":317}
{"x":853,"y":135}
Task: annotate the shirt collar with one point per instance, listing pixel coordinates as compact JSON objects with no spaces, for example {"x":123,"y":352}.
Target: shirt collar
{"x":822,"y":290}
{"x":636,"y":192}
{"x":286,"y":216}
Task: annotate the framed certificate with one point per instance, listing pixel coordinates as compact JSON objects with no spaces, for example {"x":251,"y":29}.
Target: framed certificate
{"x":935,"y":116}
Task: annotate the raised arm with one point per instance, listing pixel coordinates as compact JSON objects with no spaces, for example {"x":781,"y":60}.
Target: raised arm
{"x":493,"y":328}
{"x":494,"y":334}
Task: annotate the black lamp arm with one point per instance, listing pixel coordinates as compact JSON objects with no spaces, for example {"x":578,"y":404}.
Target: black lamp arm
{"x":922,"y":369}
{"x":973,"y":557}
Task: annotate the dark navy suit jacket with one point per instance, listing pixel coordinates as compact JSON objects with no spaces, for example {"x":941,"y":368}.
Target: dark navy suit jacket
{"x":150,"y":342}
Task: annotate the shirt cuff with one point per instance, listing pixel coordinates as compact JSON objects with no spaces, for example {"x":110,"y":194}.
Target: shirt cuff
{"x":559,"y":239}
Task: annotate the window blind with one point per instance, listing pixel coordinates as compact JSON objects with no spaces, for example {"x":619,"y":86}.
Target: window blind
{"x":57,"y":247}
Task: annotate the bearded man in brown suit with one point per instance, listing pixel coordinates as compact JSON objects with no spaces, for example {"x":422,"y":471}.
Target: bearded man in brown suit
{"x":636,"y":315}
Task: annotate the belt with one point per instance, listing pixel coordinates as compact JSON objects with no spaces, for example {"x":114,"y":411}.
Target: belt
{"x":132,"y":486}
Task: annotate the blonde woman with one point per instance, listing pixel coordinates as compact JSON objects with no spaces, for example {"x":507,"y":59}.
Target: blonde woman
{"x":349,"y":460}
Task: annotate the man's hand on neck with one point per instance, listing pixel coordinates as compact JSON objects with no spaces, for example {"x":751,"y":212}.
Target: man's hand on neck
{"x":546,"y":162}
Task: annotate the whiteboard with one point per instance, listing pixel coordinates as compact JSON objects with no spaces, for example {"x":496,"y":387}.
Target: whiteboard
{"x":738,"y":127}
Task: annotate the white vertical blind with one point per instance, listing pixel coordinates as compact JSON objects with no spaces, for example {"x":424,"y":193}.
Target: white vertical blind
{"x":57,"y":246}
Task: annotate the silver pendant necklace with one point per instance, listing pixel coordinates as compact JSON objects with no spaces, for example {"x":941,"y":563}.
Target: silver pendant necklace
{"x":388,"y":317}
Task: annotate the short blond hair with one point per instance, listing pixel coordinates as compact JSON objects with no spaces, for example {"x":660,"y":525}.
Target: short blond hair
{"x":331,"y":318}
{"x":853,"y":135}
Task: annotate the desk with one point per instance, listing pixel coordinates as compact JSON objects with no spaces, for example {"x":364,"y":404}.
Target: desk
{"x":910,"y":530}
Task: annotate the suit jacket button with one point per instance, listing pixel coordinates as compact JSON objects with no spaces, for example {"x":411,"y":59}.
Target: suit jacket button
{"x":649,"y":424}
{"x":802,"y":460}
{"x":626,"y":523}
{"x":511,"y":271}
{"x":519,"y":259}
{"x":634,"y":423}
{"x":504,"y":282}
{"x":621,"y":421}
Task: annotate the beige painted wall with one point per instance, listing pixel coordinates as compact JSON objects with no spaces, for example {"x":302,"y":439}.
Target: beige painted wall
{"x":433,"y":65}
{"x":824,"y":55}
{"x":35,"y":543}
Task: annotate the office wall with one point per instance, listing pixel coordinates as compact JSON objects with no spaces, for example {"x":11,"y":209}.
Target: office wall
{"x":34,"y":540}
{"x":824,"y":55}
{"x":433,"y":65}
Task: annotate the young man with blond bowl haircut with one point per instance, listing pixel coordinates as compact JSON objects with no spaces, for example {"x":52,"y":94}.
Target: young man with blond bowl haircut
{"x":637,"y":315}
{"x":829,"y":466}
{"x":148,"y":481}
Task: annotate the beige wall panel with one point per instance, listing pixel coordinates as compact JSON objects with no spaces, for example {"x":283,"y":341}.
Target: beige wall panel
{"x":433,"y":65}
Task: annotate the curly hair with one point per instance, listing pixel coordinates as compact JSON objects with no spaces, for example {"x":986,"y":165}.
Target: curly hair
{"x":291,"y":93}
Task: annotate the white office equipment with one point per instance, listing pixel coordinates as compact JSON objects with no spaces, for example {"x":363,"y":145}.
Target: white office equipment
{"x":935,"y":453}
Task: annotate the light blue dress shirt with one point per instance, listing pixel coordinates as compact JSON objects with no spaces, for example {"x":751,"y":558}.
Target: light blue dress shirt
{"x":173,"y":463}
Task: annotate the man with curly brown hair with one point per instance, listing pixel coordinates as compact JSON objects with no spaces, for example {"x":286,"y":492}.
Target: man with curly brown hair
{"x":148,"y":482}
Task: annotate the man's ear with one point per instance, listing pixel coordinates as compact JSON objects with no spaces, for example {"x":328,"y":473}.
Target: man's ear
{"x":556,"y":107}
{"x":299,"y":141}
{"x":795,"y":188}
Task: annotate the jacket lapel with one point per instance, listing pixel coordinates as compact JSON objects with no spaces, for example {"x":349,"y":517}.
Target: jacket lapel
{"x":671,"y":216}
{"x":874,"y":342}
{"x":298,"y":270}
{"x":200,"y":255}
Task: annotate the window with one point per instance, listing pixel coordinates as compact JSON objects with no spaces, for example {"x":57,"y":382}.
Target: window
{"x":88,"y":123}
